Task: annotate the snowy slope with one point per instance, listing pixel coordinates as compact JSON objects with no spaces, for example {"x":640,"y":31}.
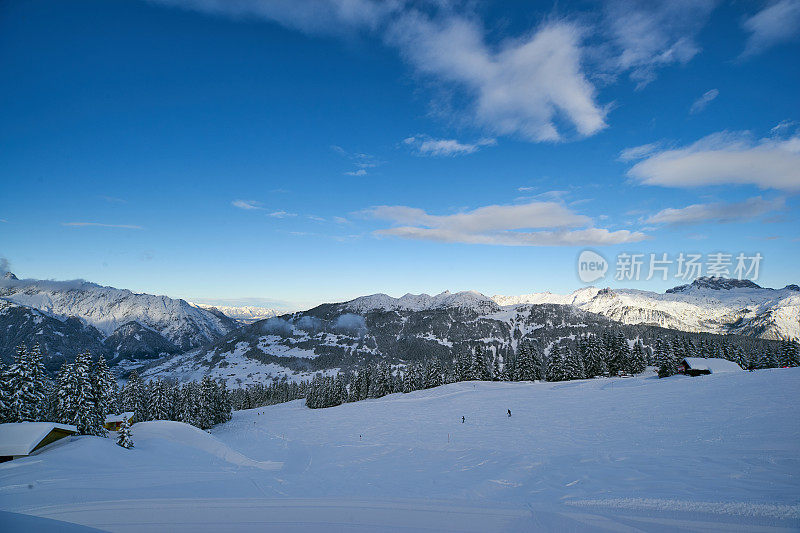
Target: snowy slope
{"x":707,"y":305}
{"x":714,"y":453}
{"x":107,"y":309}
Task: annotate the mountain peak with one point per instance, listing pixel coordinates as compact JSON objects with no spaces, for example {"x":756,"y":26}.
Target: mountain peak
{"x":10,"y":275}
{"x":715,"y":283}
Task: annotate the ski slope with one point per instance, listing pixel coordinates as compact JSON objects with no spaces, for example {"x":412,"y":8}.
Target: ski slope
{"x":713,"y":453}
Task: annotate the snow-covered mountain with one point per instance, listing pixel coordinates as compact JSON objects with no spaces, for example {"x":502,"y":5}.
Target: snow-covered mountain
{"x":713,"y":305}
{"x":130,"y":324}
{"x":346,"y":335}
{"x":246,"y":314}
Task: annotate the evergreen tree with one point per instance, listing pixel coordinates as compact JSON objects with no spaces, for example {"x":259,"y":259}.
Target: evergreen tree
{"x":573,"y":363}
{"x":105,"y":385}
{"x":27,"y":378}
{"x":433,"y":374}
{"x":593,"y":362}
{"x":556,"y":365}
{"x":524,"y":365}
{"x":134,"y":398}
{"x":637,"y":362}
{"x":5,"y":394}
{"x":668,"y":365}
{"x":480,"y":367}
{"x":124,"y":435}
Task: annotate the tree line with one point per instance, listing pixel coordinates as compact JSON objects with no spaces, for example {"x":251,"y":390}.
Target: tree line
{"x":84,"y":392}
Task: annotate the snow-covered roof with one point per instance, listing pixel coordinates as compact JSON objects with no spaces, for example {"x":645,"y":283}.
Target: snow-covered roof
{"x":119,"y":418}
{"x":714,"y":365}
{"x":20,"y":438}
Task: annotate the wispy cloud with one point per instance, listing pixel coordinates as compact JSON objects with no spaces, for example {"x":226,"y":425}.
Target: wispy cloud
{"x":777,"y":23}
{"x":718,"y":212}
{"x":360,"y":160}
{"x":703,"y":101}
{"x":647,"y":34}
{"x":638,"y":152}
{"x":426,"y":145}
{"x":100,"y":225}
{"x":281,"y":214}
{"x":555,"y":225}
{"x":246,"y":204}
{"x":724,"y":158}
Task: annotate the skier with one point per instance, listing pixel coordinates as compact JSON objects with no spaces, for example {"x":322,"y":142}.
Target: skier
{"x":509,"y":413}
{"x":462,"y":419}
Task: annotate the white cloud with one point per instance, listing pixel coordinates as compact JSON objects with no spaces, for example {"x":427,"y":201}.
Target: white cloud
{"x":532,"y":86}
{"x":638,"y":152}
{"x":100,"y":225}
{"x":498,"y":225}
{"x":425,"y":145}
{"x":777,"y":23}
{"x":315,"y":218}
{"x":703,"y":101}
{"x":725,"y":158}
{"x":648,"y":34}
{"x":246,"y":204}
{"x":359,"y":172}
{"x":718,"y":212}
{"x":281,"y":214}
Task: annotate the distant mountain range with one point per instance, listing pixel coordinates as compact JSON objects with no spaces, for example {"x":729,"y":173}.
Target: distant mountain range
{"x":245,"y":314}
{"x":246,"y":344}
{"x":414,"y":327}
{"x":67,"y":317}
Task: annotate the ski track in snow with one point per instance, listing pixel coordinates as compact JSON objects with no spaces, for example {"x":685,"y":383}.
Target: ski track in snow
{"x":714,"y":453}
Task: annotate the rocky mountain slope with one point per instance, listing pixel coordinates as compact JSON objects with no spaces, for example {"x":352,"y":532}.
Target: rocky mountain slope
{"x":332,"y":337}
{"x":713,"y":305}
{"x":129,"y":325}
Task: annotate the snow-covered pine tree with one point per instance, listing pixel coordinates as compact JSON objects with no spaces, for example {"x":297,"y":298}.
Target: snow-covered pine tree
{"x":593,"y":361}
{"x":621,"y":354}
{"x":5,"y":394}
{"x":556,"y":365}
{"x":433,"y":373}
{"x":496,"y":375}
{"x":124,"y":435}
{"x":134,"y":398}
{"x":159,"y":397}
{"x":668,"y":365}
{"x":573,"y":363}
{"x":105,"y":384}
{"x":637,"y":362}
{"x":24,"y":395}
{"x":523,"y":365}
{"x":787,"y":355}
{"x":206,"y":415}
{"x":480,"y":367}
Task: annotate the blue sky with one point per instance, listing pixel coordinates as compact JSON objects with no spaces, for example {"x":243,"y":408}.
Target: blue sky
{"x":288,"y":153}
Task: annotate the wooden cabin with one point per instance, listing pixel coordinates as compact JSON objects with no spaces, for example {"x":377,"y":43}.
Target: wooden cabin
{"x":23,"y":438}
{"x":698,"y":366}
{"x":113,"y":422}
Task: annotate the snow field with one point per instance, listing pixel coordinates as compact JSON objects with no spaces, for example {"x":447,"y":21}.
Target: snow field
{"x":713,"y":453}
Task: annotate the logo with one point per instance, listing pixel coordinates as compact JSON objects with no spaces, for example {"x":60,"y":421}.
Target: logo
{"x":591,"y":266}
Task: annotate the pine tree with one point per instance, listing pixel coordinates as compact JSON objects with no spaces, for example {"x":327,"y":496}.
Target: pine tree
{"x":524,"y":369}
{"x":593,"y":361}
{"x":480,"y":367}
{"x":134,"y":399}
{"x":433,"y":374}
{"x":106,"y":389}
{"x":637,"y":362}
{"x":124,"y":435}
{"x":27,"y":377}
{"x":556,"y":365}
{"x":5,"y":394}
{"x":573,"y":364}
{"x":668,"y":365}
